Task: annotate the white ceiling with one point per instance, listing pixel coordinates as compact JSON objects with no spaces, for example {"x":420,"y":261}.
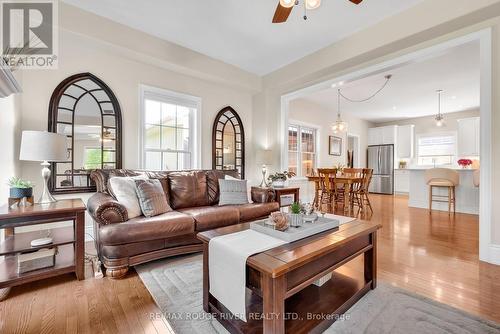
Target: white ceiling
{"x":240,"y":32}
{"x":412,"y":90}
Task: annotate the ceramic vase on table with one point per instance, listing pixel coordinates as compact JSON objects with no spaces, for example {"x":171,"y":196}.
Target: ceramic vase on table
{"x":296,"y":219}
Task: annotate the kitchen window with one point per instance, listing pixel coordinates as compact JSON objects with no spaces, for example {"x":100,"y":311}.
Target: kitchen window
{"x":436,"y":150}
{"x":301,"y":150}
{"x":170,"y":130}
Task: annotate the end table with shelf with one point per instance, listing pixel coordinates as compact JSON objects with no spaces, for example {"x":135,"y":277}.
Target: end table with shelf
{"x":69,"y":241}
{"x":287,"y":196}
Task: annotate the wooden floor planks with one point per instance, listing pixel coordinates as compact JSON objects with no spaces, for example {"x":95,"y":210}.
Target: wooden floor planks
{"x":433,"y":255}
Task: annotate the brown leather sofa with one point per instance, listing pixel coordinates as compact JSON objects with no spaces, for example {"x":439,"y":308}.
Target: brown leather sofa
{"x":193,"y":196}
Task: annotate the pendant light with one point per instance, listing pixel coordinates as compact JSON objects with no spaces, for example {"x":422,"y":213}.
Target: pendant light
{"x":439,"y":117}
{"x":339,"y":125}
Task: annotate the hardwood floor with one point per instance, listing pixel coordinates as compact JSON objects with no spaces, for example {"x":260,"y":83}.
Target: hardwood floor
{"x":433,"y":255}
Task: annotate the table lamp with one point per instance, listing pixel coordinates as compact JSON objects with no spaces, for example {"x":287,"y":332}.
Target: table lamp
{"x":264,"y":158}
{"x":45,"y":147}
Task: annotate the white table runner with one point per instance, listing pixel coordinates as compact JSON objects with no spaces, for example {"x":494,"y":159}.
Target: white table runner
{"x":227,"y":260}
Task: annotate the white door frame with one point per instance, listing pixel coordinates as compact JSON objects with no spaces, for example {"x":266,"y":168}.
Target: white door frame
{"x":488,"y":251}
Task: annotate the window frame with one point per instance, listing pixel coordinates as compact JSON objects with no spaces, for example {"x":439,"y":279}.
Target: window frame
{"x":437,"y":134}
{"x":171,"y":97}
{"x":316,"y":133}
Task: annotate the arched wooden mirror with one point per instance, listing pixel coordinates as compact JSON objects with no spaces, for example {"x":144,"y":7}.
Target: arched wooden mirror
{"x":228,"y":142}
{"x":84,"y":109}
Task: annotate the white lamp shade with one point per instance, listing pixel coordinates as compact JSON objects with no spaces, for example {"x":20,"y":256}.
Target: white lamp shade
{"x":264,"y":157}
{"x":43,"y":146}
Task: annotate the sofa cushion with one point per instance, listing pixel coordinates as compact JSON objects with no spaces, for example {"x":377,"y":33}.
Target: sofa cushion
{"x":188,"y":189}
{"x":152,"y":197}
{"x":253,"y":211}
{"x":166,"y":225}
{"x":210,"y":217}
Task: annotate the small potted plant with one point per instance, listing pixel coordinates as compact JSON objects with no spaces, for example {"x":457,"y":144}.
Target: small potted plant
{"x":464,"y":163}
{"x":296,"y":214}
{"x":20,"y":188}
{"x":278,"y":179}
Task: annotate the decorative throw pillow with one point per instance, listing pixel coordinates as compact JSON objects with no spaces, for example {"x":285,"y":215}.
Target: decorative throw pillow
{"x":123,"y":188}
{"x":233,"y":192}
{"x":152,"y":198}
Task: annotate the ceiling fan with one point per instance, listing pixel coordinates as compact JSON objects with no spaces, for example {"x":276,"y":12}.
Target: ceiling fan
{"x":285,"y":8}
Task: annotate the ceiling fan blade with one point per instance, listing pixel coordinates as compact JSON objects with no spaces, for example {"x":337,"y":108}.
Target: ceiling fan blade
{"x":357,"y":2}
{"x":281,"y":14}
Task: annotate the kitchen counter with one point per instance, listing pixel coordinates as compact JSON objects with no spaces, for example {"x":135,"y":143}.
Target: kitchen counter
{"x":426,"y":168}
{"x":467,"y":195}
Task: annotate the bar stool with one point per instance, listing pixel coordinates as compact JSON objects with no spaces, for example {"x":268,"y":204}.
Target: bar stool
{"x":476,"y":176}
{"x":442,"y":178}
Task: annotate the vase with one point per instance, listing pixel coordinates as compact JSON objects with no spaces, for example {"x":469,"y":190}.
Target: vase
{"x":278,"y":184}
{"x":295,"y":219}
{"x":21,"y":192}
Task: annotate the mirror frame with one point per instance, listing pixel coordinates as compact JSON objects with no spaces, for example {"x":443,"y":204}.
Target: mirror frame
{"x":215,"y":140}
{"x":59,"y":91}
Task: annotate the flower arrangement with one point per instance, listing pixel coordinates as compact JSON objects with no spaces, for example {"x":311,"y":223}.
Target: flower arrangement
{"x":339,"y":167}
{"x":278,"y":179}
{"x":281,"y":176}
{"x":464,"y":163}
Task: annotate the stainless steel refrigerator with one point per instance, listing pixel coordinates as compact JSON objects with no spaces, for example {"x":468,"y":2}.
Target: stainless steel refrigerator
{"x":381,"y":160}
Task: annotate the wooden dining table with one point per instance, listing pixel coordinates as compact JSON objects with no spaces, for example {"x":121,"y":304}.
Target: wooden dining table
{"x":346,"y":179}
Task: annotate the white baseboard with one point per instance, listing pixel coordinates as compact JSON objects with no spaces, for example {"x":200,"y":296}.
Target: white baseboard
{"x":494,"y":254}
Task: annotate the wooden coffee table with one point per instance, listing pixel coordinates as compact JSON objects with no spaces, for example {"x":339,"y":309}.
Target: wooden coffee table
{"x":280,"y":297}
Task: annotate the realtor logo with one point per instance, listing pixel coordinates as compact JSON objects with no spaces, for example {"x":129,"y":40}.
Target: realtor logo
{"x":29,"y":38}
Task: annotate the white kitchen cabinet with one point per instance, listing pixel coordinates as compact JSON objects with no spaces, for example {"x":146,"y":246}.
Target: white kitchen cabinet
{"x":374,"y":136}
{"x":401,"y":181}
{"x":382,"y":135}
{"x":468,"y":137}
{"x":405,"y":141}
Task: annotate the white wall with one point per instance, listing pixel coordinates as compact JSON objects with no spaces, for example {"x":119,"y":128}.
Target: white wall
{"x":309,"y":112}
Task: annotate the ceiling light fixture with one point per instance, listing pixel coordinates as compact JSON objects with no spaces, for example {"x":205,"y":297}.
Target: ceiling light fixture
{"x":287,"y":3}
{"x":312,"y":4}
{"x":439,"y":117}
{"x":339,"y":126}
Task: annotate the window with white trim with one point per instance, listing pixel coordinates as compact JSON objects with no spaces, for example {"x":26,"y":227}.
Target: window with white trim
{"x":436,"y":149}
{"x":169,"y":130}
{"x":301,"y":150}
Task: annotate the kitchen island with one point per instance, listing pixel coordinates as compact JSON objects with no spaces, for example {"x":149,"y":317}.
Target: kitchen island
{"x":467,"y":195}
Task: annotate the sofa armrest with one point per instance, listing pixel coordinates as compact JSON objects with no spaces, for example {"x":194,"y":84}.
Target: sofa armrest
{"x":105,"y":210}
{"x":262,"y":195}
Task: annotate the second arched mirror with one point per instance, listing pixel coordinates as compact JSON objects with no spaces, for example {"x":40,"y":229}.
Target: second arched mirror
{"x":228,"y":142}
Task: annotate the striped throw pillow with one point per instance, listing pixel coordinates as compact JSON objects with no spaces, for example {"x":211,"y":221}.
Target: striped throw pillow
{"x":152,"y":198}
{"x":233,"y":192}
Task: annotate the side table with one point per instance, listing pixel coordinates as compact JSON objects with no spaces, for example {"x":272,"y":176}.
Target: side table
{"x":287,"y":196}
{"x":69,"y":240}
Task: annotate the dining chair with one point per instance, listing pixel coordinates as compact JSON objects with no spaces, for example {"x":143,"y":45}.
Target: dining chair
{"x":327,"y":185}
{"x":442,"y":178}
{"x":360,"y":191}
{"x":352,"y":172}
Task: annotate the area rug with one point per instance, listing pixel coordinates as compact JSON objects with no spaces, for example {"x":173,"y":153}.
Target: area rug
{"x":176,"y":287}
